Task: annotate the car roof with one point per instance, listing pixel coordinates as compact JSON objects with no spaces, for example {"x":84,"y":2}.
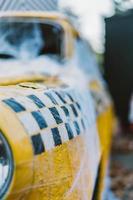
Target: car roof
{"x":50,"y":15}
{"x":34,"y":14}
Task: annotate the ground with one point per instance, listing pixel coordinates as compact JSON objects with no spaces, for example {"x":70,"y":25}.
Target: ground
{"x":121,"y":172}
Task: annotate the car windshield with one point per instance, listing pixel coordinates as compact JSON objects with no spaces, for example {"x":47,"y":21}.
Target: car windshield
{"x":26,"y":39}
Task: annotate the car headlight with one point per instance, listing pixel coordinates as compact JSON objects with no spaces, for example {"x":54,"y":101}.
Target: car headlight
{"x":6,"y":165}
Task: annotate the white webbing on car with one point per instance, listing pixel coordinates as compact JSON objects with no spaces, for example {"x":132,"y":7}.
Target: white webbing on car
{"x":24,"y":5}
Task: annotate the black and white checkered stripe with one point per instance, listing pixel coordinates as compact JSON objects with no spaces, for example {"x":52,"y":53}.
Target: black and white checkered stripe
{"x":25,"y":5}
{"x":50,"y":118}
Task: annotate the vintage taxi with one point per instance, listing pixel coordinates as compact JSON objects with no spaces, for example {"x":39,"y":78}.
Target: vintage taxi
{"x":56,"y":115}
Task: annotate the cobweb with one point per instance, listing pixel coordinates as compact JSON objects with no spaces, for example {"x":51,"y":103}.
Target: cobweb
{"x":20,"y":42}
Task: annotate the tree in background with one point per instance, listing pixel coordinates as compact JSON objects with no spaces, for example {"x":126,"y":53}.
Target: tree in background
{"x":122,"y":5}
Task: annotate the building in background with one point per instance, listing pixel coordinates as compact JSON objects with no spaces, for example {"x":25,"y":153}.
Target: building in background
{"x":119,"y":61}
{"x":21,"y":5}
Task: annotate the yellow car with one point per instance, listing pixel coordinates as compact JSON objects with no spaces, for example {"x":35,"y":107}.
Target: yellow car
{"x":55,"y":120}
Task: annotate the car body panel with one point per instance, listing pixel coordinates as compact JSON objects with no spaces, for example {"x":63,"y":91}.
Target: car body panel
{"x":44,"y":166}
{"x":49,"y":152}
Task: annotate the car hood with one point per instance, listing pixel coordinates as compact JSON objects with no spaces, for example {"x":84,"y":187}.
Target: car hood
{"x":16,"y":71}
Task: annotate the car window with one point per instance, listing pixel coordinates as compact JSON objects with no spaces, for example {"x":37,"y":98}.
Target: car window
{"x":86,"y":58}
{"x":24,"y":39}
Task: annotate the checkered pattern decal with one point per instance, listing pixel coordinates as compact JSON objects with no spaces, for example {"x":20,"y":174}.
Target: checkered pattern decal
{"x":24,"y":5}
{"x":49,"y":117}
